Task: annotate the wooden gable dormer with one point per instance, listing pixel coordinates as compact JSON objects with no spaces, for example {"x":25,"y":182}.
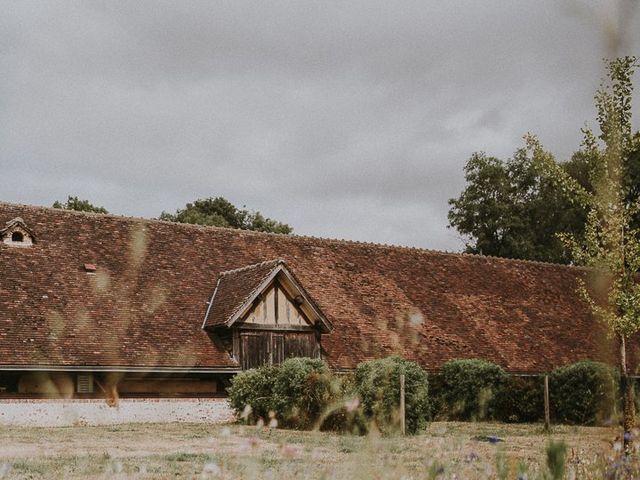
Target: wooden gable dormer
{"x":263,"y":315}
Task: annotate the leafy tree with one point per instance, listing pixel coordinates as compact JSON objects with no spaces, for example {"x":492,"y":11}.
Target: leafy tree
{"x":610,"y":245}
{"x":74,"y":203}
{"x":508,"y":209}
{"x":219,"y":212}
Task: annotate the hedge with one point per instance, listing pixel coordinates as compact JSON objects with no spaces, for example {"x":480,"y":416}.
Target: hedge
{"x":469,"y":388}
{"x":584,"y":393}
{"x":377,"y":383}
{"x":520,"y":400}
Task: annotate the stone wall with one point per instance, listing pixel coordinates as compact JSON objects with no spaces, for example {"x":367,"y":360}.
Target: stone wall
{"x":62,"y":413}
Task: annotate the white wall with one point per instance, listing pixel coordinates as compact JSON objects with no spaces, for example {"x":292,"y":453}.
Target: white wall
{"x":60,"y":413}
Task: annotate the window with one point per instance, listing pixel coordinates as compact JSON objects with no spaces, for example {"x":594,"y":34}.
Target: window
{"x":17,"y":234}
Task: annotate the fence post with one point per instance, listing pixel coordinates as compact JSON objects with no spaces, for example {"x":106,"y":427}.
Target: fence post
{"x":402,"y":406}
{"x":547,"y":416}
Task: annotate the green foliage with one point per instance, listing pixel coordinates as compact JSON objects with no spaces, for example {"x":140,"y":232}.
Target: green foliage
{"x":508,"y":209}
{"x":302,"y":389}
{"x":295,"y":393}
{"x":584,"y":393}
{"x":219,"y":212}
{"x":469,"y":388}
{"x":251,"y":391}
{"x":520,"y":399}
{"x":556,"y":459}
{"x":533,"y":206}
{"x":610,"y":245}
{"x":74,"y":203}
{"x":345,"y":413}
{"x":378,"y":386}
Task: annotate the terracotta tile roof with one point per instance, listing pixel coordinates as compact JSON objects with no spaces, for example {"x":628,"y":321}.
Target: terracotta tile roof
{"x":234,"y":288}
{"x":146,"y":301}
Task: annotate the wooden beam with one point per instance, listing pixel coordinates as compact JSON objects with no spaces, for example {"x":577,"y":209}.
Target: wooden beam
{"x":281,"y":327}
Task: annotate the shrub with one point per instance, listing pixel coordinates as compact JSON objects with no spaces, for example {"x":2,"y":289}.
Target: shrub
{"x":303,"y":388}
{"x":345,"y":414}
{"x":469,"y":387}
{"x":378,"y":386}
{"x":584,"y":393}
{"x":251,"y":392}
{"x":520,"y":399}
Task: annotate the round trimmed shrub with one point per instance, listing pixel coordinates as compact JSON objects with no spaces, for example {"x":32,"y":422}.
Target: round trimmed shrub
{"x":303,"y":388}
{"x":469,"y":388}
{"x":377,"y":383}
{"x":251,"y":392}
{"x":584,"y":393}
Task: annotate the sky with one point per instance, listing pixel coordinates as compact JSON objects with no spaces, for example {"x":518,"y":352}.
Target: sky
{"x":344,"y":119}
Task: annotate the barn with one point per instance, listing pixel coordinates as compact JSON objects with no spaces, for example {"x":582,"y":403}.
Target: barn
{"x":99,"y":306}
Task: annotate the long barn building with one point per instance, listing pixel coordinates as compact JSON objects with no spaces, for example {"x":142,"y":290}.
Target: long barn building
{"x":96,"y":306}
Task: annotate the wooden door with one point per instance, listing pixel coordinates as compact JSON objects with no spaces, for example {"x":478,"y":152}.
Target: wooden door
{"x":272,"y":348}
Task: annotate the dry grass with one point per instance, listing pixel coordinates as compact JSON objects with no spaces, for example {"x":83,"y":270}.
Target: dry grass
{"x":446,"y":450}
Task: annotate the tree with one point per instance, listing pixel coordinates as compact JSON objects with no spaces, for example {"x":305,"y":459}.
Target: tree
{"x":219,"y":212}
{"x":610,"y":246}
{"x":74,"y":203}
{"x":508,"y":209}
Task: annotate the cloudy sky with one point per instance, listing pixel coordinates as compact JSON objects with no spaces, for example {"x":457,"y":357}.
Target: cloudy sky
{"x":345,"y":119}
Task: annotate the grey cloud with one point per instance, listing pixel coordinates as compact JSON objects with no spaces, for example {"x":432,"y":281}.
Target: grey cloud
{"x":345,"y":119}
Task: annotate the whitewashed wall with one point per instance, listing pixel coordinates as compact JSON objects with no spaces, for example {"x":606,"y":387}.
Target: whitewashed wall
{"x":62,"y":413}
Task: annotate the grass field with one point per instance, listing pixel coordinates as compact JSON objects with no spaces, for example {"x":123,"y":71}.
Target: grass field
{"x":446,"y":450}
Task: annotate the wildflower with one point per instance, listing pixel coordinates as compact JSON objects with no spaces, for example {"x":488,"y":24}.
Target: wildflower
{"x":5,"y":468}
{"x":471,"y":457}
{"x":117,"y":467}
{"x":246,"y":412}
{"x":352,"y":405}
{"x":248,"y":444}
{"x":291,"y":450}
{"x":416,"y":319}
{"x":211,"y":469}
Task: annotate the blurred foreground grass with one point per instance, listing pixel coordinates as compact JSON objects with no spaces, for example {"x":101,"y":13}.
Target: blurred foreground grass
{"x":445,"y":450}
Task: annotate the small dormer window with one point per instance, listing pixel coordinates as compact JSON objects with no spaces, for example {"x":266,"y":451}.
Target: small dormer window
{"x":17,"y":234}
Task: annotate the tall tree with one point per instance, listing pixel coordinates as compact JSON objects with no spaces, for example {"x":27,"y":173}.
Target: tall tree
{"x":74,"y":203}
{"x":219,"y":212}
{"x":508,"y":209}
{"x":610,"y":246}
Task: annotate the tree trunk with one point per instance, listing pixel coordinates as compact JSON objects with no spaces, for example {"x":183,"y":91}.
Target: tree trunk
{"x":628,"y":403}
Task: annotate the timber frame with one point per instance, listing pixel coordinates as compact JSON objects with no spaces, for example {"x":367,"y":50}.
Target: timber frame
{"x":261,"y":314}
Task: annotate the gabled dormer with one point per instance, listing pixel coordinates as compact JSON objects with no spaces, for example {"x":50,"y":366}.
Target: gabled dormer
{"x":17,"y":234}
{"x":263,"y":315}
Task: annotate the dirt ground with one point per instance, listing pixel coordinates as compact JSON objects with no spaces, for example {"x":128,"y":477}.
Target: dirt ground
{"x":445,"y":450}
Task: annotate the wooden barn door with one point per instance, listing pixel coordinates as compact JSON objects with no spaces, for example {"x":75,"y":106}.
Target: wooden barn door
{"x":272,"y":348}
{"x":255,"y":349}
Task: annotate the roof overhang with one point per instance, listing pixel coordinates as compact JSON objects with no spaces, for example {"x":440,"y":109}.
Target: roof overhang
{"x":115,"y":368}
{"x":294,"y":287}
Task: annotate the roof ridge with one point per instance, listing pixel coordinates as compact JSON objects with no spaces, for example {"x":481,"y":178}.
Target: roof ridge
{"x":275,"y":262}
{"x":319,"y":240}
